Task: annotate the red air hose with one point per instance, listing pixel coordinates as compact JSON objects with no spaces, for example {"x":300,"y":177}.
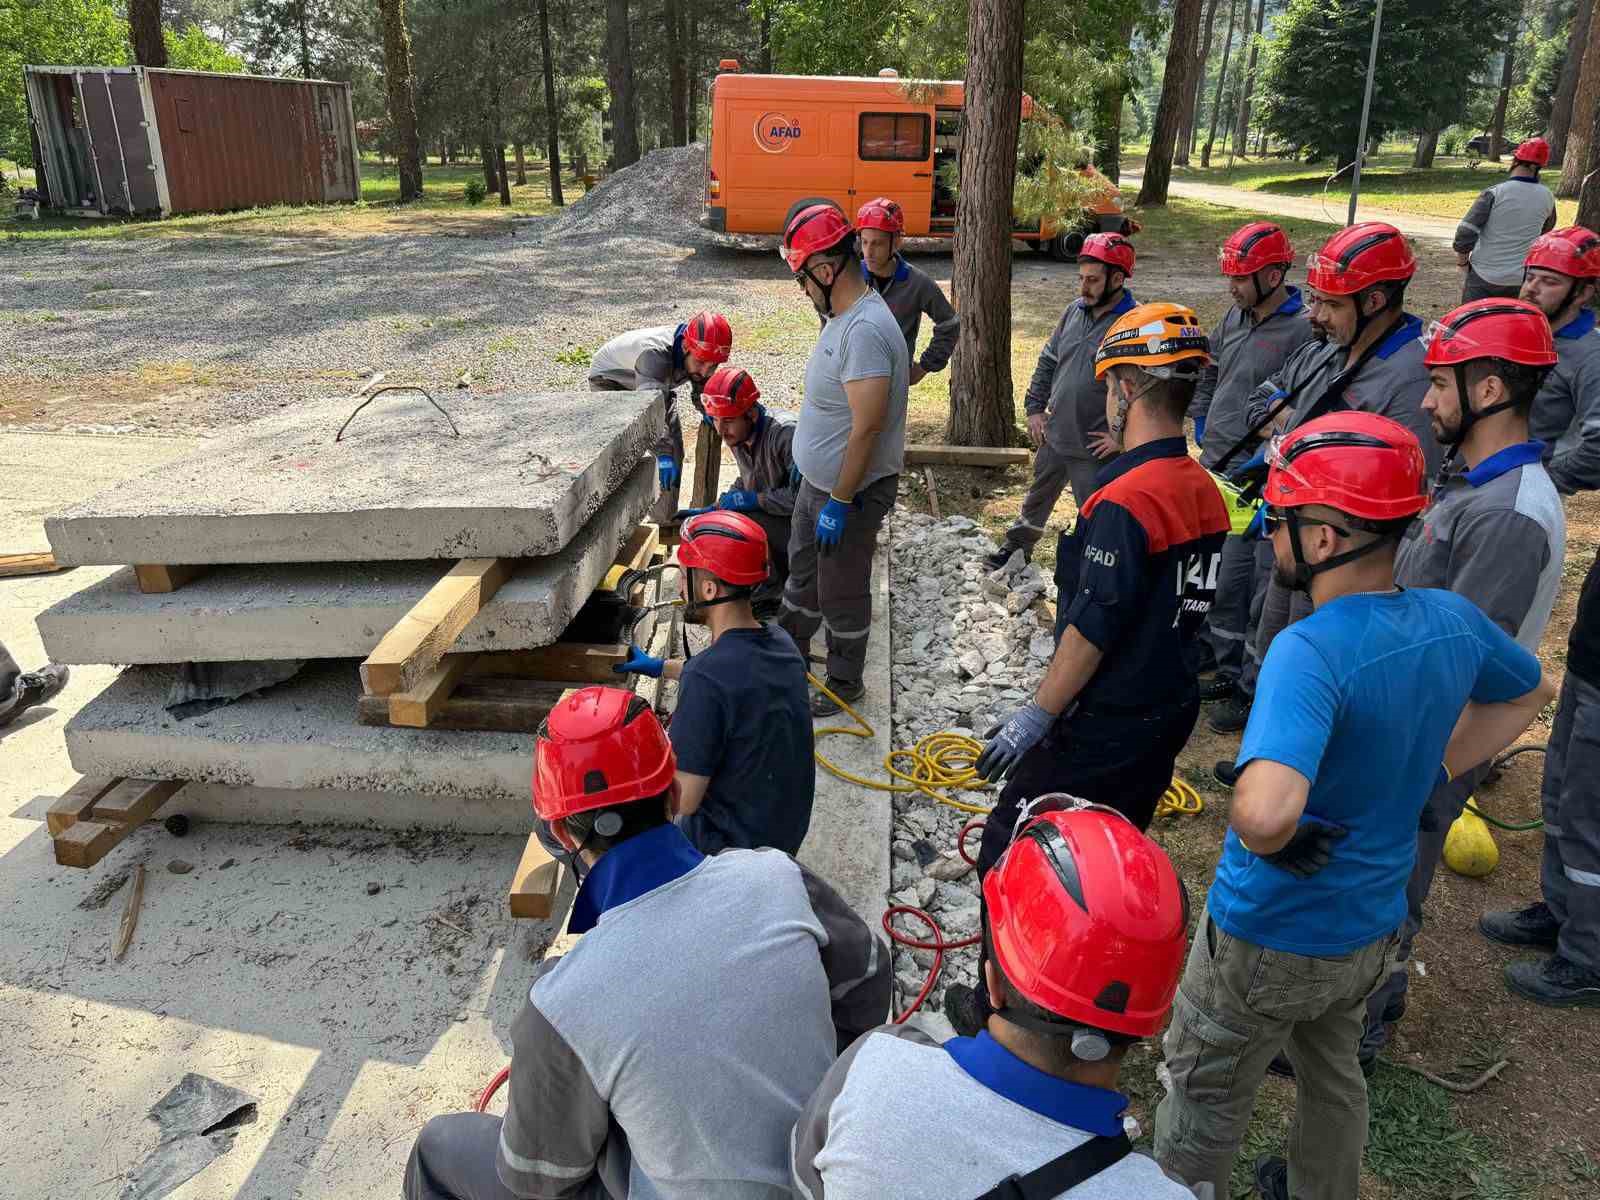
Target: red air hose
{"x":939,"y":945}
{"x":494,"y":1086}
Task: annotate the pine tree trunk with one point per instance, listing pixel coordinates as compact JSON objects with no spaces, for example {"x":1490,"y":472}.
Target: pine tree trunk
{"x":1589,"y":197}
{"x":1191,"y":100}
{"x":766,"y":37}
{"x":619,"y":79}
{"x":1497,"y":123}
{"x":1427,"y":147}
{"x":1222,"y":82}
{"x":401,"y":97}
{"x":1575,"y":162}
{"x":491,"y":176}
{"x":1241,"y":129}
{"x":691,"y":18}
{"x":982,"y":410}
{"x":677,"y":81}
{"x":1169,"y":109}
{"x":1566,"y":89}
{"x":304,"y":18}
{"x":552,"y":114}
{"x":522,"y":166}
{"x":1107,"y":114}
{"x":505,"y":177}
{"x":144,"y":32}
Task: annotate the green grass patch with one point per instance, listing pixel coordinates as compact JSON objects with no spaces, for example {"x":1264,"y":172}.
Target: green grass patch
{"x":789,"y":331}
{"x":575,"y":356}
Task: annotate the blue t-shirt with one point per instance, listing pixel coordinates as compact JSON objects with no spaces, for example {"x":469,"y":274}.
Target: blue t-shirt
{"x":1360,"y":698}
{"x":744,"y":720}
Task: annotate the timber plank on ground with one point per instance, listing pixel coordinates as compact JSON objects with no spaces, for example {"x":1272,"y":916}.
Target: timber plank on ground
{"x":43,"y":563}
{"x":966,"y":456}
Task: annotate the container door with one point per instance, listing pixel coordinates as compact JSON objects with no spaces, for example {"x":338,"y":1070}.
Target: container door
{"x":894,"y":158}
{"x":105,"y":143}
{"x":333,"y":143}
{"x":127,"y":104}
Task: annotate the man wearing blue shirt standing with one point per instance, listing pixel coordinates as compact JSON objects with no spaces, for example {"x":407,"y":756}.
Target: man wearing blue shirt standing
{"x":1365,"y":705}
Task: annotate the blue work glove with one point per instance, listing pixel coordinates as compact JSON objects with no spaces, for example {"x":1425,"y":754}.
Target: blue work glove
{"x":830,"y":524}
{"x":639,"y":663}
{"x":1252,"y":468}
{"x":1309,"y":850}
{"x":683,"y":514}
{"x":1199,"y":430}
{"x":1016,"y":737}
{"x":739,"y":501}
{"x":670,"y":471}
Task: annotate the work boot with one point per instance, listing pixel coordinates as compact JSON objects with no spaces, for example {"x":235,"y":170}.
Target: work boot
{"x":1556,"y":981}
{"x":1231,"y":715}
{"x":33,"y":688}
{"x":1218,"y":687}
{"x":823,"y":705}
{"x":1272,"y":1177}
{"x":1534,"y":926}
{"x":962,"y":1010}
{"x":1224,"y":772}
{"x":1003,"y":555}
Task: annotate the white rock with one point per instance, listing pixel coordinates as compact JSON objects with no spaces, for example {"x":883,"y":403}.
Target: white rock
{"x":925,"y":890}
{"x":948,"y":868}
{"x":972,"y":663}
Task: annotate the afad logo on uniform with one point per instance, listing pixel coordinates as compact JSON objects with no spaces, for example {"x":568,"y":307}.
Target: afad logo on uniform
{"x":776,"y":132}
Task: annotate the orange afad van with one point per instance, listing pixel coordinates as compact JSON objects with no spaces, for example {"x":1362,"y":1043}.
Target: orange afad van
{"x":781,"y":142}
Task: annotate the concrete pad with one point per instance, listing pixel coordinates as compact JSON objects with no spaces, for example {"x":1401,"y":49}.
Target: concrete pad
{"x":354,"y":810}
{"x":848,"y":842}
{"x":330,"y":610}
{"x":302,"y":734}
{"x":526,"y":473}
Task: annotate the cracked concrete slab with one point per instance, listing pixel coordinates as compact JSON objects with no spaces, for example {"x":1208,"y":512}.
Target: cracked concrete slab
{"x":523,"y":476}
{"x":330,"y":610}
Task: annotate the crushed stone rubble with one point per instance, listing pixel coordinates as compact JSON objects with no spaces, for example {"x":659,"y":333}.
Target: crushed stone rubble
{"x":970,"y":644}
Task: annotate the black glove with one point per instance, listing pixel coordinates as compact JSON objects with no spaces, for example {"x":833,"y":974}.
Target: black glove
{"x":1309,"y":850}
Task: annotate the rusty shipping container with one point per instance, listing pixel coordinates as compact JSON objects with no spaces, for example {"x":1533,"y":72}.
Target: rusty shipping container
{"x":137,"y":140}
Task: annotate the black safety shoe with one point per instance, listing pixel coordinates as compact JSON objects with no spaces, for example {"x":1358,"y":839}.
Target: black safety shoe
{"x":1230,"y":716}
{"x":1556,"y":981}
{"x":31,"y":689}
{"x":1534,"y":926}
{"x":1003,"y":555}
{"x":1218,"y":687}
{"x":823,"y":706}
{"x":1272,"y":1177}
{"x":1224,"y":772}
{"x":962,"y":1010}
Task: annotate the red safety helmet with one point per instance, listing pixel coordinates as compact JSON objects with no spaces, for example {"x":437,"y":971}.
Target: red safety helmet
{"x":598,"y":748}
{"x":1573,"y":251}
{"x":728,"y":545}
{"x":811,"y":231}
{"x":1359,"y":256}
{"x":1112,"y":249}
{"x":1359,"y":463}
{"x":1087,"y":919}
{"x":730,"y":392}
{"x":1254,"y":247}
{"x":1493,"y":328}
{"x":708,"y":337}
{"x":882,"y":213}
{"x":1534,"y":150}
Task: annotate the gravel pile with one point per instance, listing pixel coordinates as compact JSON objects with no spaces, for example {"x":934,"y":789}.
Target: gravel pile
{"x":970,"y":644}
{"x":663,"y":193}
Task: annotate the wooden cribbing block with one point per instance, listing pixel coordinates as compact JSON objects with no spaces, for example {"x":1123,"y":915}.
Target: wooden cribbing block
{"x":74,"y":804}
{"x":966,"y":456}
{"x":640,"y":547}
{"x":134,"y":801}
{"x":533,"y":887}
{"x":158,"y":577}
{"x":87,"y":842}
{"x":487,"y":702}
{"x":28,"y":564}
{"x":564,"y":662}
{"x":412,"y":649}
{"x":418,"y":708}
{"x":707,"y":466}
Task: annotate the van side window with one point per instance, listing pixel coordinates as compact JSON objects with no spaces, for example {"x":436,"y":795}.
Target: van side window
{"x":891,"y":137}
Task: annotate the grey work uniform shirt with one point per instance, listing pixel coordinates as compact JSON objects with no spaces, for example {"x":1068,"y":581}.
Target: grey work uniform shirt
{"x":1390,"y":383}
{"x":1063,"y":385}
{"x":671,"y":1050}
{"x":1244,"y":352}
{"x":1500,"y":226}
{"x":1496,"y":534}
{"x":910,"y":292}
{"x":1566,"y":412}
{"x":646,"y":360}
{"x":863,"y":342}
{"x":901,"y":1117}
{"x":764,"y":462}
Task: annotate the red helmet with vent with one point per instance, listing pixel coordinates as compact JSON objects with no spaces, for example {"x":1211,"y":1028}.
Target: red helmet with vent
{"x":1534,"y":150}
{"x":1112,"y":249}
{"x":708,"y":337}
{"x":882,"y":213}
{"x":1254,"y":247}
{"x":730,"y":392}
{"x":811,"y":231}
{"x":1359,"y":256}
{"x":1493,"y":328}
{"x":1573,"y":251}
{"x":598,"y":748}
{"x":1356,"y":462}
{"x":1087,"y":920}
{"x":729,"y":545}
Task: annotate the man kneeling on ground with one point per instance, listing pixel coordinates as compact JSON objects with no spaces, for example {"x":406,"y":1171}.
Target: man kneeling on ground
{"x":669,"y":1053}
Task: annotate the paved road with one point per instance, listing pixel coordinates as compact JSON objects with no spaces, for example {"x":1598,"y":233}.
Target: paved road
{"x":1309,"y":208}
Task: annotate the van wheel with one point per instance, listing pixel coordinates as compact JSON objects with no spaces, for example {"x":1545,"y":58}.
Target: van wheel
{"x":800,"y":205}
{"x":1064,"y":246}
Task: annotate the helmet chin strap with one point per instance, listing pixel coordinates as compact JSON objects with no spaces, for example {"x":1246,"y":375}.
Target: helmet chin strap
{"x":1090,"y":1045}
{"x":1304,"y":571}
{"x":1119,"y":424}
{"x":1469,"y":415}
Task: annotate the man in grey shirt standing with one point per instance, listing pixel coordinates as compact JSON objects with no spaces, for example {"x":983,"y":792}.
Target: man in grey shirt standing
{"x":849,"y":447}
{"x":909,"y":292}
{"x":1502,"y":223}
{"x":1560,"y":275}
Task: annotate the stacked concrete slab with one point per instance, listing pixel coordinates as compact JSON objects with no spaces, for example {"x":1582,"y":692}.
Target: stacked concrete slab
{"x":315,"y":548}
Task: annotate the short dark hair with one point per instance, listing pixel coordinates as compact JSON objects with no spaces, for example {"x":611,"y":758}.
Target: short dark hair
{"x":741,"y":591}
{"x":840,"y":255}
{"x":636,"y":817}
{"x":1521,"y":380}
{"x":1057,"y":1050}
{"x":1171,"y":396}
{"x":1394,"y":292}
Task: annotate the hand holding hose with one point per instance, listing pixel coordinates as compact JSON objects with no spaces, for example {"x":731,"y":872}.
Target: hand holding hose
{"x":640,"y":663}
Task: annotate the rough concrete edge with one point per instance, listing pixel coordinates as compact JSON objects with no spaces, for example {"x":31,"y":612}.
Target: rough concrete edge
{"x":215,"y":803}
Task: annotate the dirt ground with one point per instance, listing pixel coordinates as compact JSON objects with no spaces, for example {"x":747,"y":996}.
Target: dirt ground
{"x":1535,"y":1125}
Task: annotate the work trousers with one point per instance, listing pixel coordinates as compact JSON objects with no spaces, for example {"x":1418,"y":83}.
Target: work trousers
{"x":453,"y":1159}
{"x":778,"y":530}
{"x":1053,"y":470}
{"x":833,"y":591}
{"x":667,"y":504}
{"x":1238,"y":1006}
{"x":1570,"y":872}
{"x":1476,"y":287}
{"x":1272,"y":610}
{"x":1388,"y":1003}
{"x":1228,"y":623}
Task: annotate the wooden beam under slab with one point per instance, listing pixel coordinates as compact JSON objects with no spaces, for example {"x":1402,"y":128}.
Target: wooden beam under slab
{"x":564,"y":662}
{"x":533,"y":887}
{"x":75,"y":803}
{"x":639,"y":548}
{"x":966,"y":456}
{"x":157,"y":578}
{"x":134,"y":801}
{"x":412,"y":649}
{"x":707,"y":466}
{"x":488,"y":702}
{"x":418,"y":708}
